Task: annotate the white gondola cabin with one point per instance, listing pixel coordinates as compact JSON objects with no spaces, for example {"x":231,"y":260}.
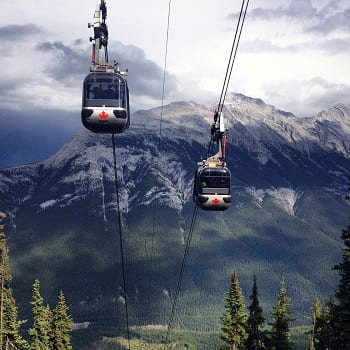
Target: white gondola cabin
{"x":105,"y":103}
{"x":212,"y":187}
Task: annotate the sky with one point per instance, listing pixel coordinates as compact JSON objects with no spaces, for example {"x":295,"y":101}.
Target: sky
{"x":293,"y":54}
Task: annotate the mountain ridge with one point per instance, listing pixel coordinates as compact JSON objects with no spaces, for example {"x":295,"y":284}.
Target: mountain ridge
{"x":289,"y":177}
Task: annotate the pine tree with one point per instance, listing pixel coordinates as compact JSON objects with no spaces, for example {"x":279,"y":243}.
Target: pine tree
{"x":280,"y":338}
{"x":325,"y":331}
{"x":342,"y":311}
{"x":316,"y":312}
{"x":62,"y":325}
{"x":9,"y":323}
{"x":41,"y":330}
{"x":256,"y":337}
{"x":234,"y":320}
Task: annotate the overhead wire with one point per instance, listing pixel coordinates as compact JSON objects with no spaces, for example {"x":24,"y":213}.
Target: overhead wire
{"x":103,"y":36}
{"x":180,"y":278}
{"x":233,"y":54}
{"x":121,"y":241}
{"x":229,"y":68}
{"x":194,"y":216}
{"x":161,"y":118}
{"x":164,"y":70}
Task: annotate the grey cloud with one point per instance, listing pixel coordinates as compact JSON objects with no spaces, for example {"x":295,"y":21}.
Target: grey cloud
{"x":296,"y":9}
{"x":333,"y":93}
{"x":145,"y":76}
{"x":332,"y":7}
{"x":333,"y":16}
{"x":300,"y":9}
{"x":18,"y":32}
{"x":318,"y":94}
{"x":70,"y":63}
{"x":66,"y":63}
{"x":338,"y":21}
{"x":259,"y":45}
{"x":335,"y":46}
{"x":327,"y":46}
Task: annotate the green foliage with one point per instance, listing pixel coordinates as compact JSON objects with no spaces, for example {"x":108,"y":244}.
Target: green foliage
{"x":280,"y":336}
{"x":343,"y":294}
{"x":50,"y":330}
{"x":9,"y":323}
{"x":234,"y":319}
{"x":316,"y":310}
{"x":62,"y":325}
{"x":256,"y":336}
{"x":41,"y":331}
{"x":324,"y":335}
{"x":338,"y":316}
{"x":144,"y":339}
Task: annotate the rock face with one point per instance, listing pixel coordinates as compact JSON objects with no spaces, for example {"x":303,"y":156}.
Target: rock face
{"x":289,"y":177}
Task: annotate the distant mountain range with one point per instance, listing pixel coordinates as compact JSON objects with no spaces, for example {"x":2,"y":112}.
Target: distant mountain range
{"x":30,"y":136}
{"x":289,"y":178}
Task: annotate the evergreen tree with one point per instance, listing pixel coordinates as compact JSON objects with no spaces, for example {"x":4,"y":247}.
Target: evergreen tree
{"x":316,"y":311}
{"x":13,"y":326}
{"x":256,"y":336}
{"x":280,"y":338}
{"x":325,"y":331}
{"x":342,"y":311}
{"x":41,"y":330}
{"x":62,"y":325}
{"x":9,"y":323}
{"x":234,"y":319}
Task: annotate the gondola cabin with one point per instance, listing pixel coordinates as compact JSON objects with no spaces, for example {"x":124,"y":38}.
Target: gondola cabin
{"x":105,"y":103}
{"x":212,"y":188}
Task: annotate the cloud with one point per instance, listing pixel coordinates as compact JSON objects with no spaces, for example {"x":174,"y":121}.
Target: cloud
{"x":333,"y":46}
{"x":327,"y":46}
{"x":67,"y":63}
{"x":145,"y":76}
{"x":55,"y":71}
{"x":306,"y":98}
{"x":324,"y":93}
{"x":323,"y":19}
{"x":16,"y":32}
{"x":262,"y":45}
{"x":297,"y":9}
{"x":336,"y":22}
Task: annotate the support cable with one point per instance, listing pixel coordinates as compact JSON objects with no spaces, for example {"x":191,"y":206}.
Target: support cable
{"x":160,"y":127}
{"x":240,"y":26}
{"x":164,"y":71}
{"x":163,"y":93}
{"x":233,"y":54}
{"x":181,"y":274}
{"x":121,"y":243}
{"x":231,"y":61}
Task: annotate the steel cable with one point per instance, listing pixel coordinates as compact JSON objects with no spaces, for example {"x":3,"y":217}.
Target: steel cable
{"x":181,"y":274}
{"x":121,"y":243}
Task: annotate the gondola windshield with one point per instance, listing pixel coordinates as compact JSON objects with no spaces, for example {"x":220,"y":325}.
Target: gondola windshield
{"x":107,"y":90}
{"x":217,"y":180}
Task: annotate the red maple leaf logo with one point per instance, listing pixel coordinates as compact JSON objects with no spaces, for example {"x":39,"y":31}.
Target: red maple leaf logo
{"x":103,"y":115}
{"x":215,"y":201}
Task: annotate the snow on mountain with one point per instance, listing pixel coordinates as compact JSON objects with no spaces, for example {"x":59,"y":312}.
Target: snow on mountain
{"x":286,"y":198}
{"x":168,"y":151}
{"x":256,"y":124}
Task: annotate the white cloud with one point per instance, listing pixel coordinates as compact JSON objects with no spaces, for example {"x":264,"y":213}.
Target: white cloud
{"x":292,"y":54}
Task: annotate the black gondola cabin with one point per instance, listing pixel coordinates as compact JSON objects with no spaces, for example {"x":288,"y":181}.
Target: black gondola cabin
{"x":212,"y":188}
{"x":105,"y":103}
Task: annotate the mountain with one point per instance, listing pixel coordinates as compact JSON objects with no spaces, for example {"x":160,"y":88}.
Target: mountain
{"x":289,"y":178}
{"x":31,"y":136}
